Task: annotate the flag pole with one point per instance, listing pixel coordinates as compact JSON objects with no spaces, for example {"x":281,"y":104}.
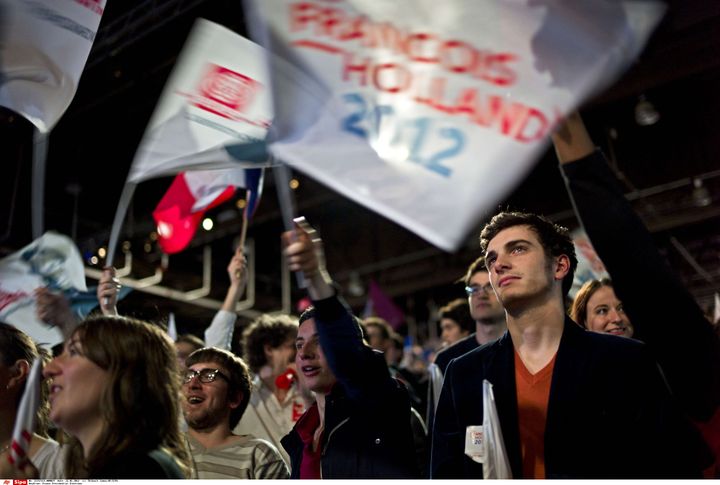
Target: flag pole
{"x":281,"y":172}
{"x":120,"y":212}
{"x":40,"y":149}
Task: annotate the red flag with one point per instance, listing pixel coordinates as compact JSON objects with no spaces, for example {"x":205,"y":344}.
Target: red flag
{"x":191,"y":194}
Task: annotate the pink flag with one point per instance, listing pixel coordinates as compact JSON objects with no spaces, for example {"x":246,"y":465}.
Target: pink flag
{"x":25,"y":420}
{"x":381,"y":305}
{"x":192,"y":193}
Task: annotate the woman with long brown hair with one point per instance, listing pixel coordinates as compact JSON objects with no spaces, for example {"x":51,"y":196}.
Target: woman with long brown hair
{"x":114,"y":390}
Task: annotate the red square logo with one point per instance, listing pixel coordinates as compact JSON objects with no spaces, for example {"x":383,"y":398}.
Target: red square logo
{"x":20,"y":482}
{"x":225,"y":92}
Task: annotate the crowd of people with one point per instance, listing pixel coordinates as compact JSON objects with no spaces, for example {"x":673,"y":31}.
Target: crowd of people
{"x":598,"y":389}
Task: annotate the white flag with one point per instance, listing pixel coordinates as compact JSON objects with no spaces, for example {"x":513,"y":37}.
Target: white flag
{"x":431,"y":112}
{"x":171,"y":328}
{"x":52,"y":261}
{"x":214,"y":111}
{"x":25,"y":420}
{"x":44,"y":45}
{"x":496,"y":464}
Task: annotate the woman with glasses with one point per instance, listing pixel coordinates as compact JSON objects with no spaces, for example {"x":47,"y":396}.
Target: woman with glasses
{"x":114,"y":390}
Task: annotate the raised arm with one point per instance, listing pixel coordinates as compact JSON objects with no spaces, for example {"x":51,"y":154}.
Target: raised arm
{"x":219,"y":333}
{"x":663,"y":312}
{"x":362,"y":371}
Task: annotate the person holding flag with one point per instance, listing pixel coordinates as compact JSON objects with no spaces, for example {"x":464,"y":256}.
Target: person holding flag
{"x":359,"y":426}
{"x":18,"y":352}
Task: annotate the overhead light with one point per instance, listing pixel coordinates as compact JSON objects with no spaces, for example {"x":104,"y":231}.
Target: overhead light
{"x":645,"y":112}
{"x":701,"y":195}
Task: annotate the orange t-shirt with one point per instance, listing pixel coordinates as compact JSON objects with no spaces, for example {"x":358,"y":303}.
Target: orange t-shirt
{"x":533,"y":393}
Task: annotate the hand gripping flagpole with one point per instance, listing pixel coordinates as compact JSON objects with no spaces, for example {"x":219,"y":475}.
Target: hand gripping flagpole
{"x":123,"y":203}
{"x":25,"y":420}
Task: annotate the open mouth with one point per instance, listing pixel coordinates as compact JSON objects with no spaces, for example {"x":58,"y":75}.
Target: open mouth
{"x":310,"y":371}
{"x":195,"y":399}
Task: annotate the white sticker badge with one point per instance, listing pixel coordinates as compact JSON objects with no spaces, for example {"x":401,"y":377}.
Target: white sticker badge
{"x":474,"y":436}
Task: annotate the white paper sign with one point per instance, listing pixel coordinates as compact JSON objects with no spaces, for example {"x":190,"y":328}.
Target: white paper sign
{"x":430,"y":113}
{"x":44,"y":45}
{"x":51,"y":261}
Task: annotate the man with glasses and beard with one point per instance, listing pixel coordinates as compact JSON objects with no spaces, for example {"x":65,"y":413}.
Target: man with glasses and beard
{"x":216,"y":391}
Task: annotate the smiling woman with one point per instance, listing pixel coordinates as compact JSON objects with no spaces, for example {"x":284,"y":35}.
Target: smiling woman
{"x":114,"y":389}
{"x":598,"y":309}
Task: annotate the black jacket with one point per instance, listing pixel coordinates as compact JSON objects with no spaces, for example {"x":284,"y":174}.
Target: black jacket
{"x":367,"y":413}
{"x":609,"y":415}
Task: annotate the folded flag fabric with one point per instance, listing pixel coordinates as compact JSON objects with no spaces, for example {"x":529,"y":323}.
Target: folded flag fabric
{"x":25,"y":421}
{"x":191,"y":194}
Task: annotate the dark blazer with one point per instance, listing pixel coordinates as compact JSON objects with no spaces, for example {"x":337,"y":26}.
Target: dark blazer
{"x":610,"y":414}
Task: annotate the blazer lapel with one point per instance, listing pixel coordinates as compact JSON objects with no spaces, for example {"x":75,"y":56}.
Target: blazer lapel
{"x":568,"y":376}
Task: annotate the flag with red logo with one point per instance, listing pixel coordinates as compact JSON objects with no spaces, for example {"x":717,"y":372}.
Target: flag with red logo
{"x":191,"y":194}
{"x":44,"y":44}
{"x":25,"y":420}
{"x":431,"y":112}
{"x":214,"y":111}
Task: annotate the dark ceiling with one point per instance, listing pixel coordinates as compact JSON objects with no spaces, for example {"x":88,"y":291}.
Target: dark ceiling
{"x":92,"y":147}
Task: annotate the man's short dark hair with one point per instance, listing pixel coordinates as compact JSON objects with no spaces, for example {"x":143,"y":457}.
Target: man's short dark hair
{"x":272,"y":330}
{"x":238,"y":375}
{"x":310,"y":313}
{"x":475,"y":267}
{"x":459,"y":312}
{"x":553,"y":238}
{"x":193,"y":340}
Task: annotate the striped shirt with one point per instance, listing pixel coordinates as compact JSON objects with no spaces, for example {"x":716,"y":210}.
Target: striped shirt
{"x":247,"y":457}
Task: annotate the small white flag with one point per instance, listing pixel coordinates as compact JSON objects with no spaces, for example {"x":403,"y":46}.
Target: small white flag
{"x":25,"y":421}
{"x":172,"y":329}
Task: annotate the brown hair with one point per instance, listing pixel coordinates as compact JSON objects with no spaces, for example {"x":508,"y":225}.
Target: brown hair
{"x":578,"y":310}
{"x":272,"y":330}
{"x":459,"y":312}
{"x":16,"y":345}
{"x":141,"y":404}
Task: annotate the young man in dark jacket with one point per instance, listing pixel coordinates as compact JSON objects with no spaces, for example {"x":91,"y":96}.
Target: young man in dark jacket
{"x":360,"y":424}
{"x":571,"y":403}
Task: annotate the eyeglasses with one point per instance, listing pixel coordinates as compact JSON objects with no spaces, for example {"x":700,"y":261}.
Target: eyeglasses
{"x":204,"y":375}
{"x":486,"y":288}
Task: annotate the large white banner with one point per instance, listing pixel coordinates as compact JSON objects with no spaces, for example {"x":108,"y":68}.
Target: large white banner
{"x":431,"y":112}
{"x":214,"y":111}
{"x":44,"y":45}
{"x":52,"y":261}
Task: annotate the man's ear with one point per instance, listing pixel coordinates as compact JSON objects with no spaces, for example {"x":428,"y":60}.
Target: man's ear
{"x":234,"y":401}
{"x":18,"y":373}
{"x":562,"y":267}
